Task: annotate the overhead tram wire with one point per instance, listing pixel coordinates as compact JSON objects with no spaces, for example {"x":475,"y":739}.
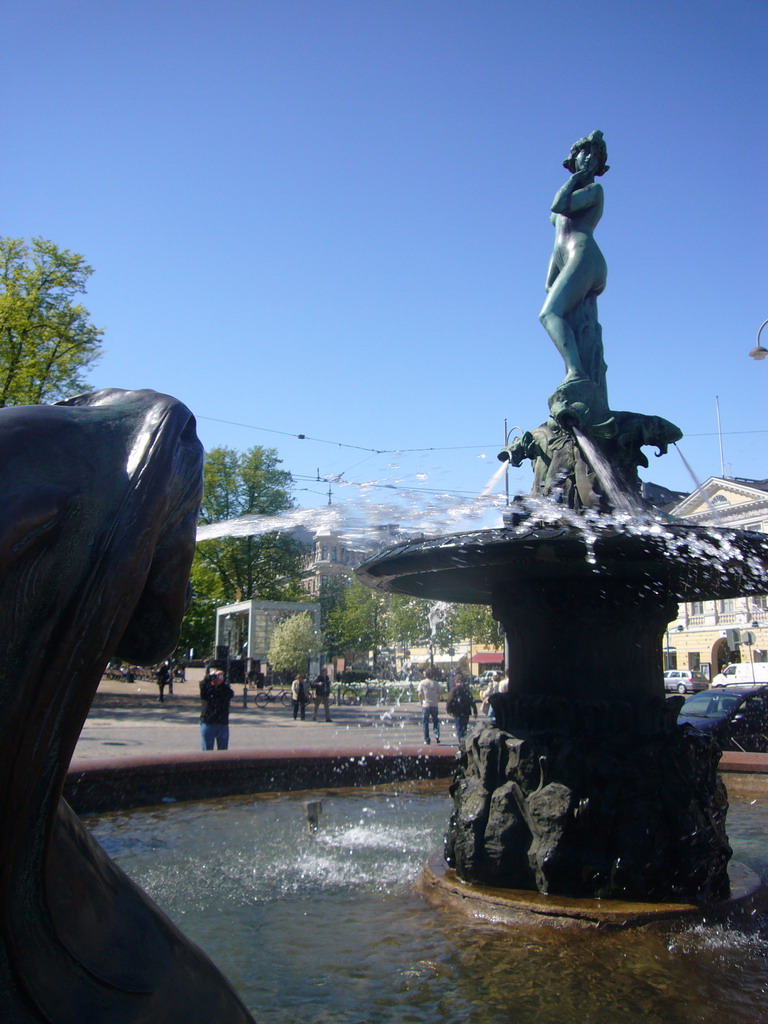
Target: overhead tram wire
{"x":344,"y":444}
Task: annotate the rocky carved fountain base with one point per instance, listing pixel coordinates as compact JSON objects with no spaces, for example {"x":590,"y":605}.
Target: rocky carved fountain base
{"x":573,"y":811}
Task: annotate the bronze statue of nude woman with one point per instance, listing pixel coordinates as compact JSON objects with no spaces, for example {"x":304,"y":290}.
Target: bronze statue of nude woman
{"x":577,"y":269}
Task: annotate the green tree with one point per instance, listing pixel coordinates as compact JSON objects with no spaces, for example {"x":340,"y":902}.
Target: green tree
{"x":267,"y":567}
{"x":358,"y":622}
{"x":292,"y":643}
{"x":407,"y":624}
{"x":47,"y":341}
{"x":474,"y":622}
{"x":331,"y":598}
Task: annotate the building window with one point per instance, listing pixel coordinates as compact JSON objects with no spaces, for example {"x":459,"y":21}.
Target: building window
{"x":727,"y":606}
{"x":697,"y":607}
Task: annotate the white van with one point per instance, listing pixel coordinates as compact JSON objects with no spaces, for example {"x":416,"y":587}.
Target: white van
{"x":742,"y":674}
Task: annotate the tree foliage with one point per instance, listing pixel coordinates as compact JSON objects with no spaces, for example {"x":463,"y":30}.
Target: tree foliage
{"x":407,"y":622}
{"x":357,"y":623}
{"x":47,"y":340}
{"x":266,"y":567}
{"x":292,"y":643}
{"x":474,"y":622}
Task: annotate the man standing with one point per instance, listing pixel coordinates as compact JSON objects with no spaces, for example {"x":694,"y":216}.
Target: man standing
{"x":461,"y":704}
{"x":299,"y":696}
{"x":322,"y":688}
{"x":214,"y":713}
{"x":429,"y":694}
{"x":163,"y":677}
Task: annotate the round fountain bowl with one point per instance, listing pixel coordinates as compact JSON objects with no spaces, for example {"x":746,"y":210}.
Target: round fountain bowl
{"x":689,"y":562}
{"x":442,"y":887}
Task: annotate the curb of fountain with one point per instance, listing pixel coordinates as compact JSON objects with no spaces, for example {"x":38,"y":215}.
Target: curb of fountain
{"x":118,"y":783}
{"x":111,"y":784}
{"x":444,"y":890}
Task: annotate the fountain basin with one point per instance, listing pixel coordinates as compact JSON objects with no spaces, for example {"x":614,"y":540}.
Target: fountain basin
{"x":332,"y":929}
{"x":690,"y":562}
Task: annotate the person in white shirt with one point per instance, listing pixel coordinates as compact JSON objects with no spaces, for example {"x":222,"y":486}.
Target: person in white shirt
{"x":429,"y":694}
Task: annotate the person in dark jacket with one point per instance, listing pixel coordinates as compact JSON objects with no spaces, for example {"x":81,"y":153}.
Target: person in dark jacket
{"x":322,"y":688}
{"x":461,"y":704}
{"x":215,"y":695}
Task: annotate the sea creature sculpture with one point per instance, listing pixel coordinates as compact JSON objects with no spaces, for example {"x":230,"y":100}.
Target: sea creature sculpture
{"x":97,"y":532}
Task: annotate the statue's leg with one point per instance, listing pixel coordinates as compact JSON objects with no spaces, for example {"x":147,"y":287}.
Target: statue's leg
{"x":575,"y":281}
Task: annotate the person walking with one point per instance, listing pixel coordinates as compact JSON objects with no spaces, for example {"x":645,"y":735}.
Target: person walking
{"x":322,"y":688}
{"x":299,"y":696}
{"x":429,"y":695}
{"x":461,"y":704}
{"x":163,"y":678}
{"x":215,"y":695}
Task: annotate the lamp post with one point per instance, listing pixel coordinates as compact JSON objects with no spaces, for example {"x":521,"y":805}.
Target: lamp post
{"x":750,"y":643}
{"x":759,"y":352}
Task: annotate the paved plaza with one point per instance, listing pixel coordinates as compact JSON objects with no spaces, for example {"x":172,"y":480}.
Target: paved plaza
{"x":129,"y":720}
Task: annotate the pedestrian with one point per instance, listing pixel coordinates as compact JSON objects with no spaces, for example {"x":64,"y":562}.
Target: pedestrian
{"x":322,"y":688}
{"x":488,"y":692}
{"x":299,"y":696}
{"x":215,"y":695}
{"x":429,"y":694}
{"x":162,"y":677}
{"x":460,"y":704}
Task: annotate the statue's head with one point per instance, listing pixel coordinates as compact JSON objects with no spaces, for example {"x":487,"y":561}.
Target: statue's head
{"x":593,"y":143}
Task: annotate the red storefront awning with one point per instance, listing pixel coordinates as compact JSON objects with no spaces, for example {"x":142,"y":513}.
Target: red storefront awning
{"x":488,"y":658}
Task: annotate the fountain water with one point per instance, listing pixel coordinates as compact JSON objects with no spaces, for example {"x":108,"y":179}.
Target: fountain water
{"x":332,"y":929}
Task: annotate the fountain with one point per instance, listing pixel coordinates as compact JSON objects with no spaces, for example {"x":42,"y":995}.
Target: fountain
{"x":585,"y":788}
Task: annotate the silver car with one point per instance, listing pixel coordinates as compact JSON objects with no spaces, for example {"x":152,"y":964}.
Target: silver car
{"x":684,"y":680}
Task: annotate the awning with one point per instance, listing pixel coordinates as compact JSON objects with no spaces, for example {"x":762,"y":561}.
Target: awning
{"x":488,"y":658}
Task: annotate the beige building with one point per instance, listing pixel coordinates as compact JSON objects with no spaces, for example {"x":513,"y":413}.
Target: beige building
{"x":334,"y":556}
{"x":707,"y":635}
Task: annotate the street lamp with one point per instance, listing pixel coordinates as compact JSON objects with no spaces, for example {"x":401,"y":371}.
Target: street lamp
{"x":759,"y":352}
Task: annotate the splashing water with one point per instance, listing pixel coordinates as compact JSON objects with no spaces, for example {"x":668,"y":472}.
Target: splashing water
{"x":354,"y":521}
{"x":716,"y":515}
{"x":495,"y":480}
{"x":604,"y":472}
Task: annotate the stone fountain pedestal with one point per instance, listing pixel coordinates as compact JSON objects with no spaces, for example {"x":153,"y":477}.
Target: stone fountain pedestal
{"x":584,"y":786}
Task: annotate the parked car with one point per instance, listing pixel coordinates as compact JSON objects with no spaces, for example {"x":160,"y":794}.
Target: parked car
{"x":737,"y":716}
{"x":683,"y":680}
{"x":749,"y":672}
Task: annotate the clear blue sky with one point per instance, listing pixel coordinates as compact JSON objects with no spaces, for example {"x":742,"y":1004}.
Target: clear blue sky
{"x":330,"y":218}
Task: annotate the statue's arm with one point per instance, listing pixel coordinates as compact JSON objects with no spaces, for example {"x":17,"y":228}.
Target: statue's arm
{"x":573,"y":199}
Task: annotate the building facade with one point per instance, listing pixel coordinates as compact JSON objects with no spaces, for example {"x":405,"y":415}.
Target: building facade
{"x":707,"y":635}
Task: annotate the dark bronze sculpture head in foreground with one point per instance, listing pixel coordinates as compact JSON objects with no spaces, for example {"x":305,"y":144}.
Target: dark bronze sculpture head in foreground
{"x":97,"y":535}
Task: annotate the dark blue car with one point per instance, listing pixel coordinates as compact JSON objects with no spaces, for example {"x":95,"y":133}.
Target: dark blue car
{"x":737,"y":716}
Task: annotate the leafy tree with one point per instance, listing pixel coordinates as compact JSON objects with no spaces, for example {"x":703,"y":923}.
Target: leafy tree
{"x":267,"y":567}
{"x":358,"y":622}
{"x":474,"y":622}
{"x":331,"y":598}
{"x":407,"y":624}
{"x":47,"y":341}
{"x":292,"y":643}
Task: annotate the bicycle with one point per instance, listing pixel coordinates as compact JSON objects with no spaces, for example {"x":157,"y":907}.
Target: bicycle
{"x":355,"y":696}
{"x":264,"y":697}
